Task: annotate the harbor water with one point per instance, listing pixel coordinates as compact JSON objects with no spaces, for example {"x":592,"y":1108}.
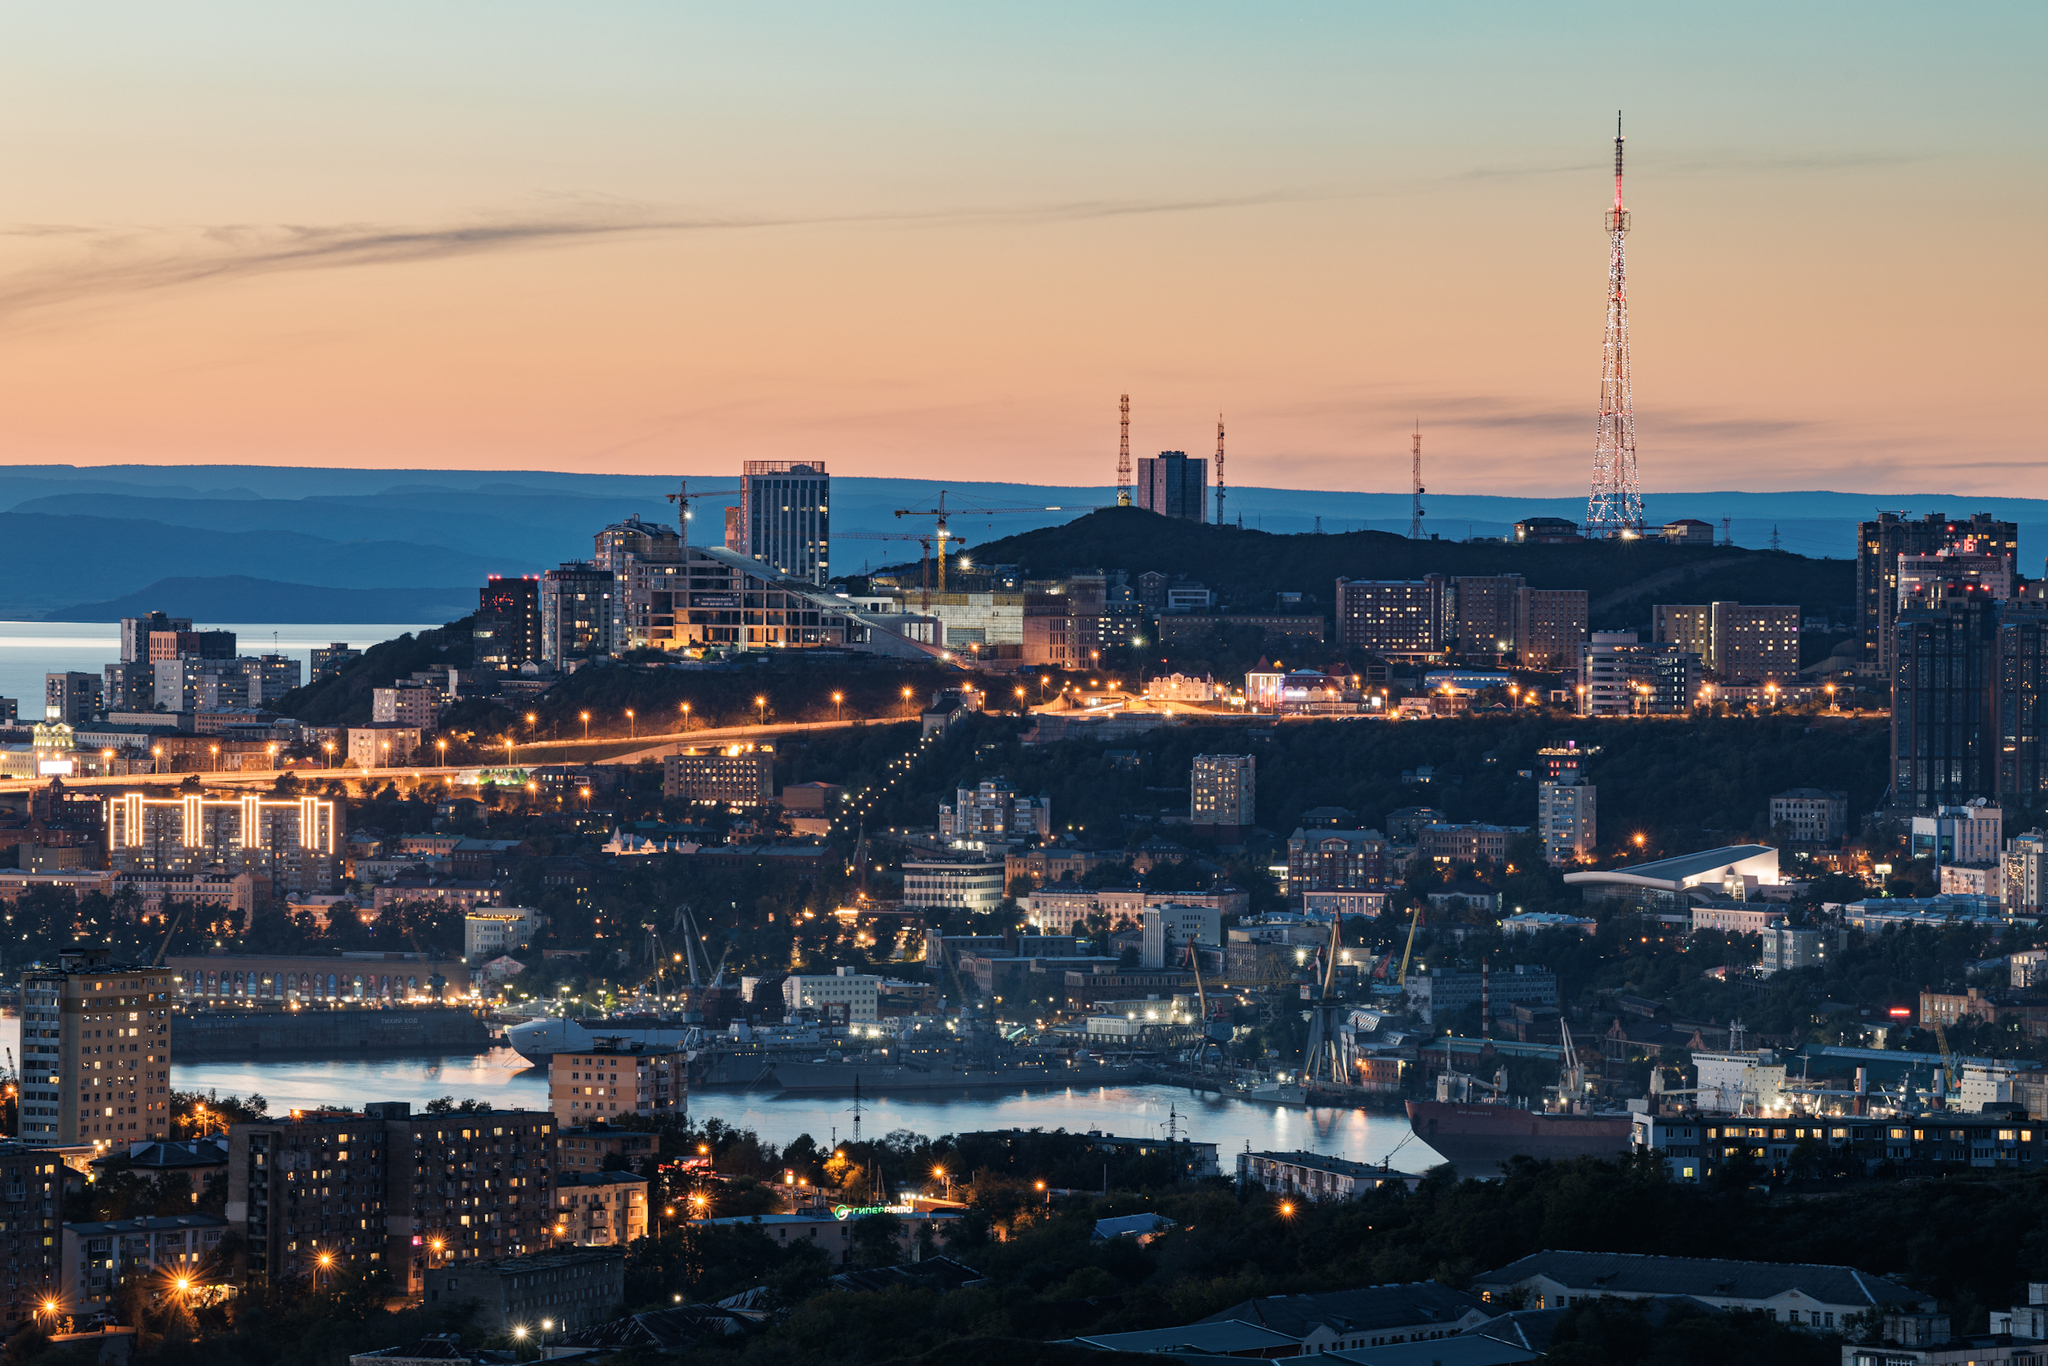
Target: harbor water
{"x":30,"y":649}
{"x":505,"y":1079}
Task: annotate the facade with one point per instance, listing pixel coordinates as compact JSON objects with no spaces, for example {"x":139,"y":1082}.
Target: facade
{"x":600,"y":1209}
{"x":1168,"y":927}
{"x":738,"y":775}
{"x":1550,"y":626}
{"x":291,"y":842}
{"x":1312,"y":1176}
{"x":1479,"y":613}
{"x":1622,"y":676}
{"x":1687,"y":531}
{"x":383,"y":744}
{"x":1400,"y":619}
{"x":1336,"y":861}
{"x":408,"y":704}
{"x":1471,"y":843}
{"x":1568,"y":818}
{"x":1944,"y":743}
{"x":571,"y":1288}
{"x":1756,"y":643}
{"x":381,"y":978}
{"x":1817,"y":1297}
{"x":609,"y":1081}
{"x":575,"y":612}
{"x":506,"y":633}
{"x":644,"y":559}
{"x":1348,"y":1320}
{"x":330,"y":660}
{"x":2024,"y":886}
{"x":136,"y":633}
{"x":488,"y":931}
{"x":1811,"y":815}
{"x":994,"y":811}
{"x":31,"y":1203}
{"x":72,"y":698}
{"x":1172,"y":485}
{"x":1441,"y":995}
{"x":850,"y":997}
{"x":785,"y":510}
{"x":326,"y":1191}
{"x":975,"y":885}
{"x":1786,"y":947}
{"x":1223,"y":793}
{"x":95,"y":1260}
{"x":1737,"y":917}
{"x":1971,"y":835}
{"x":96,"y":1053}
{"x":1879,"y":545}
{"x":1689,"y":626}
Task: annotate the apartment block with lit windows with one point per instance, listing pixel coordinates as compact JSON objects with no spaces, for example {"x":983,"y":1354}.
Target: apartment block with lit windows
{"x":327,"y":1191}
{"x":291,"y":841}
{"x":31,"y":1190}
{"x":600,"y":1209}
{"x":607,"y":1082}
{"x":96,"y":1052}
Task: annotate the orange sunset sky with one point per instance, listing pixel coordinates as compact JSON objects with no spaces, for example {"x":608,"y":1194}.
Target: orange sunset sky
{"x":922,"y":239}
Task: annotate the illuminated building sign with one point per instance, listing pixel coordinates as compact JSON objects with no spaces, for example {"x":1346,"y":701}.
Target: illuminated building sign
{"x":127,"y":815}
{"x":857,"y":1211}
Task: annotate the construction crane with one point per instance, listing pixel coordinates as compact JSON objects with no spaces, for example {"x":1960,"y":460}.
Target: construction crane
{"x":924,"y":559}
{"x":942,"y":512}
{"x":1948,"y":1060}
{"x":1402,"y":980}
{"x":1123,"y":458}
{"x":682,"y":498}
{"x":1219,"y":469}
{"x":165,"y":947}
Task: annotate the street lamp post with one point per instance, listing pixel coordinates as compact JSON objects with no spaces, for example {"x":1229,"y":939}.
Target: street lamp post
{"x":586,"y":724}
{"x":760,"y":709}
{"x":906,"y":701}
{"x":837,"y":698}
{"x":632,"y":725}
{"x":686,"y":715}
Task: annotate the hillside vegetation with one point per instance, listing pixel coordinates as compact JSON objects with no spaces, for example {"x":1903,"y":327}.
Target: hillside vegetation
{"x":1247,"y":567}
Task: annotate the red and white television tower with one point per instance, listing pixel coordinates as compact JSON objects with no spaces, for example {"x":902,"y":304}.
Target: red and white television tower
{"x":1615,"y":508}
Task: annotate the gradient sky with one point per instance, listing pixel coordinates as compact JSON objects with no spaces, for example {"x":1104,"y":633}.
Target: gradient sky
{"x":926,"y":239}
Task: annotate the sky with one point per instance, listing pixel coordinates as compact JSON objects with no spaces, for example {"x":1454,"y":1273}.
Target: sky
{"x":936,"y":239}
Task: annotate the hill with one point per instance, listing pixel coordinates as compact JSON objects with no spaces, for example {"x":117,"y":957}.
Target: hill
{"x":237,"y":597}
{"x":1246,"y":567}
{"x":344,"y":699}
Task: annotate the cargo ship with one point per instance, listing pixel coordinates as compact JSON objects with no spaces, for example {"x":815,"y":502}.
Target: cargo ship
{"x":1478,"y":1138}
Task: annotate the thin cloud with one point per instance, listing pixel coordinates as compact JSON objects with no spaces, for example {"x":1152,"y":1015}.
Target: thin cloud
{"x":122,"y":265}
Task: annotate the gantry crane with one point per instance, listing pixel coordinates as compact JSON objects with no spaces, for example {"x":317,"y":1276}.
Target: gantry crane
{"x":940,"y":534}
{"x":681,"y":498}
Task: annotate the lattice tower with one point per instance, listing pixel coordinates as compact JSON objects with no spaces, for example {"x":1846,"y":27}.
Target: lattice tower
{"x":1615,"y":506}
{"x":1123,"y":458}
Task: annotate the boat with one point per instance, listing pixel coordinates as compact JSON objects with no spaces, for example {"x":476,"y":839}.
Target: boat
{"x":1478,"y":1137}
{"x":540,"y":1039}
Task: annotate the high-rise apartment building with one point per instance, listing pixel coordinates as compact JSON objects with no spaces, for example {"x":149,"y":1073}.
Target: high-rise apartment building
{"x":1622,"y":676}
{"x":1879,"y":545}
{"x":31,"y":1208}
{"x":129,"y":685}
{"x":332,"y":659}
{"x":2023,"y":703}
{"x":1737,"y":642}
{"x":1479,"y":613}
{"x":1549,"y":627}
{"x":1172,"y":485}
{"x":407,"y":704}
{"x":1568,"y":819}
{"x":2025,"y":874}
{"x":193,"y":644}
{"x":1402,"y":618}
{"x":331,"y":1192}
{"x":292,"y":842}
{"x":1944,"y":700}
{"x":71,"y":697}
{"x":648,"y":578}
{"x":785,"y":509}
{"x":575,"y":612}
{"x":506,"y":633}
{"x":96,"y":1052}
{"x":1223,"y":794}
{"x":136,"y":631}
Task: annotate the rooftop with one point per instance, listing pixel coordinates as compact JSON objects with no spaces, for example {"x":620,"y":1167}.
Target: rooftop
{"x":1632,"y":1273}
{"x":1676,"y":874}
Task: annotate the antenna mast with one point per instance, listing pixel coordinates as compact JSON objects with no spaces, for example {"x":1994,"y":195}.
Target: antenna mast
{"x":1123,"y":458}
{"x":1415,"y":479}
{"x":1615,"y":506}
{"x":1219,"y":469}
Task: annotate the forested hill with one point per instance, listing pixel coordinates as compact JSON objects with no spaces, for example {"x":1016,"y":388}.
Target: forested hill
{"x":1247,"y":567}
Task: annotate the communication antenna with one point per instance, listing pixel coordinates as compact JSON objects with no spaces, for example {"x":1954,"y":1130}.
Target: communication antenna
{"x":1123,"y":458}
{"x":1774,"y":535}
{"x":1415,"y":478}
{"x":1727,"y":530}
{"x":1614,"y":508}
{"x":1219,"y":469}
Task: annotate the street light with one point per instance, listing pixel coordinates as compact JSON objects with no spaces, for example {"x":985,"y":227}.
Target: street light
{"x":686,"y":715}
{"x":330,"y":753}
{"x":632,"y":726}
{"x":761,"y":709}
{"x":940,"y":1173}
{"x":840,"y":697}
{"x":586,"y":724}
{"x":906,"y":701}
{"x":442,"y":745}
{"x":216,"y":757}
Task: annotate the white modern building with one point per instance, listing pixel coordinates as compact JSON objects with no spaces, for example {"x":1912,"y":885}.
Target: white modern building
{"x":1168,"y":928}
{"x":488,"y":931}
{"x":969,"y":885}
{"x":846,"y":996}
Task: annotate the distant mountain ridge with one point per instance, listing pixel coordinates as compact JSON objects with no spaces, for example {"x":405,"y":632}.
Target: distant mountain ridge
{"x":236,"y":597}
{"x":74,"y":538}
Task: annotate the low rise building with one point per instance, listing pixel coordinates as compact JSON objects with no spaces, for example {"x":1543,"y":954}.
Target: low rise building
{"x":570,"y":1288}
{"x":1972,"y":835}
{"x":386,"y":745}
{"x":1806,"y":1295}
{"x":489,"y":931}
{"x":406,"y":704}
{"x":1441,"y":995}
{"x":600,"y":1208}
{"x":845,"y":997}
{"x":1171,"y":926}
{"x":1811,"y":815}
{"x":737,"y":775}
{"x":1336,"y":861}
{"x":965,"y":884}
{"x":995,"y":812}
{"x":1314,"y":1176}
{"x":1737,"y":917}
{"x":1467,"y":843}
{"x":1793,"y":946}
{"x":97,"y":1259}
{"x":1373,"y":1316}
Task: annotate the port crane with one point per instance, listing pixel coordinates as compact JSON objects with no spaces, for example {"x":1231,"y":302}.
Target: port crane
{"x":1402,"y":980}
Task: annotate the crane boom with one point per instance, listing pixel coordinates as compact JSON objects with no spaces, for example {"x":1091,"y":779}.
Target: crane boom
{"x":1402,"y":980}
{"x":941,"y":534}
